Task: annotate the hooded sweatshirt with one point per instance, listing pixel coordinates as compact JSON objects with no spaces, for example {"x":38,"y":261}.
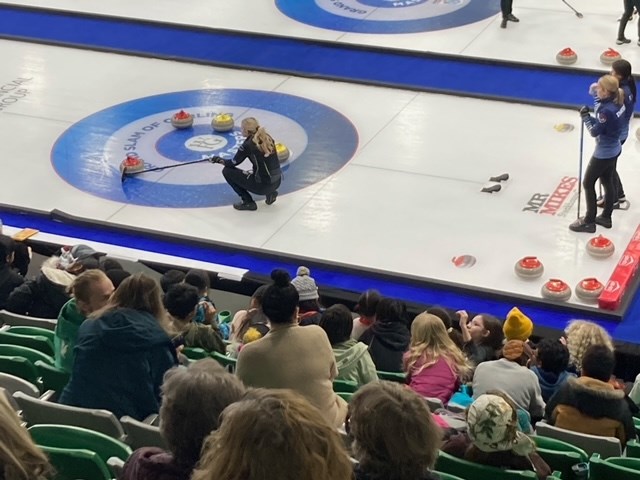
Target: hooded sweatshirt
{"x":121,"y":358}
{"x":387,"y":343}
{"x":66,"y":334}
{"x":550,"y":382}
{"x":44,"y":296}
{"x":354,"y":362}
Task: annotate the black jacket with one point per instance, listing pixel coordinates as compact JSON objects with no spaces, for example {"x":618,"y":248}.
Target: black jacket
{"x":387,"y":343}
{"x":266,"y":168}
{"x":44,"y":296}
{"x":9,"y":280}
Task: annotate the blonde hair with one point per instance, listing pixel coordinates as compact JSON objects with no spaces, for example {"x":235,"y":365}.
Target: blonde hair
{"x":582,"y":334}
{"x":20,"y":458}
{"x":260,"y":136}
{"x":612,"y":85}
{"x":82,"y":285}
{"x":251,"y":335}
{"x":273,"y":434}
{"x":394,"y":434}
{"x":430,"y":341}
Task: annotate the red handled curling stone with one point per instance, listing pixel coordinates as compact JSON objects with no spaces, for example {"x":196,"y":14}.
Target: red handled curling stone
{"x":609,"y":56}
{"x":566,"y":56}
{"x":589,"y":289}
{"x":131,"y":164}
{"x":529,"y":267}
{"x":556,"y":289}
{"x":600,"y":247}
{"x":222,"y":122}
{"x":182,"y":120}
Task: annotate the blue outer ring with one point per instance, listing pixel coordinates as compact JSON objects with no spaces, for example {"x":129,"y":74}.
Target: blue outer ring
{"x":76,"y":156}
{"x":306,"y":11}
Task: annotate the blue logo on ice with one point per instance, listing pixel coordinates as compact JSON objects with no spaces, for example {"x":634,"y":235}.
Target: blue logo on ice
{"x":388,"y":16}
{"x":89,"y":153}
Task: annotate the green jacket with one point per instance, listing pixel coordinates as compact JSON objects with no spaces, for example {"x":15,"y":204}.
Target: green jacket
{"x":66,"y":334}
{"x":354,"y":362}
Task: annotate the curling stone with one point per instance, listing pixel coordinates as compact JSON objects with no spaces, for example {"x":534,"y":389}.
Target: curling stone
{"x":566,"y":56}
{"x":609,"y":56}
{"x":589,"y":289}
{"x":222,"y":122}
{"x":556,"y":289}
{"x":182,"y":120}
{"x":600,"y":247}
{"x":529,"y":268}
{"x":131,"y":164}
{"x":464,"y":261}
{"x":283,"y":152}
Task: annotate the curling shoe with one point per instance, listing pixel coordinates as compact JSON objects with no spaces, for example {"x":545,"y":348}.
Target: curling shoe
{"x":271,"y":198}
{"x":503,"y":24}
{"x":603,"y":222}
{"x":581,"y":226}
{"x":622,"y":41}
{"x":512,"y":18}
{"x":245,"y":206}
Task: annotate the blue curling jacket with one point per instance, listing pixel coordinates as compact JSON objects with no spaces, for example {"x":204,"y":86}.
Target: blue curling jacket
{"x":606,"y":126}
{"x":629,"y":106}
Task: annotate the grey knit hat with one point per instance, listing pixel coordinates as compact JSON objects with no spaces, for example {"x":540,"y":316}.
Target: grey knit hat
{"x":305,"y":285}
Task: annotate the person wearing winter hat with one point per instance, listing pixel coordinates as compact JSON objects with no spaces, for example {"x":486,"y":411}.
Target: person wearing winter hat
{"x":352,"y":357}
{"x":45,"y":295}
{"x":517,"y":326}
{"x":511,"y":376}
{"x":493,"y":437}
{"x":308,"y":292}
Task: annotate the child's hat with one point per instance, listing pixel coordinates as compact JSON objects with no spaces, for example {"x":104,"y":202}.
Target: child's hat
{"x":517,"y":326}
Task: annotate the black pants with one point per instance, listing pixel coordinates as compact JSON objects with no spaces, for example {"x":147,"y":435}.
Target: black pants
{"x":244,"y":182}
{"x":505,"y":6}
{"x":599,"y":169}
{"x":628,"y":11}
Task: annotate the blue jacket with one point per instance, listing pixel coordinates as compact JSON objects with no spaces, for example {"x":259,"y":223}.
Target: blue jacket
{"x":550,"y":382}
{"x":120,"y":360}
{"x":629,"y":106}
{"x":605,"y":126}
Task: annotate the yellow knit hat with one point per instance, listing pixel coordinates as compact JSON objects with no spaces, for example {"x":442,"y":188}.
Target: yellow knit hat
{"x":517,"y":326}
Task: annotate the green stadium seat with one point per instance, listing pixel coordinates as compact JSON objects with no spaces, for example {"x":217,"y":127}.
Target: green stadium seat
{"x":560,"y":456}
{"x":633,"y":449}
{"x":76,"y":464}
{"x":614,"y":468}
{"x":193,"y":353}
{"x":345,"y":396}
{"x":473,"y":471}
{"x":29,"y":353}
{"x":227,"y":362}
{"x":392,"y":376}
{"x":344,"y":386}
{"x":20,"y":367}
{"x":77,"y":438}
{"x":52,"y":378}
{"x":32,"y":331}
{"x":36,"y":342}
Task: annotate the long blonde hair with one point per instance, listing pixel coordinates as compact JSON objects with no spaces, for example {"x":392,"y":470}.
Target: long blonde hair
{"x":582,"y":334}
{"x":20,"y":458}
{"x":429,"y":342}
{"x":612,"y":85}
{"x":260,"y":136}
{"x":273,"y":434}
